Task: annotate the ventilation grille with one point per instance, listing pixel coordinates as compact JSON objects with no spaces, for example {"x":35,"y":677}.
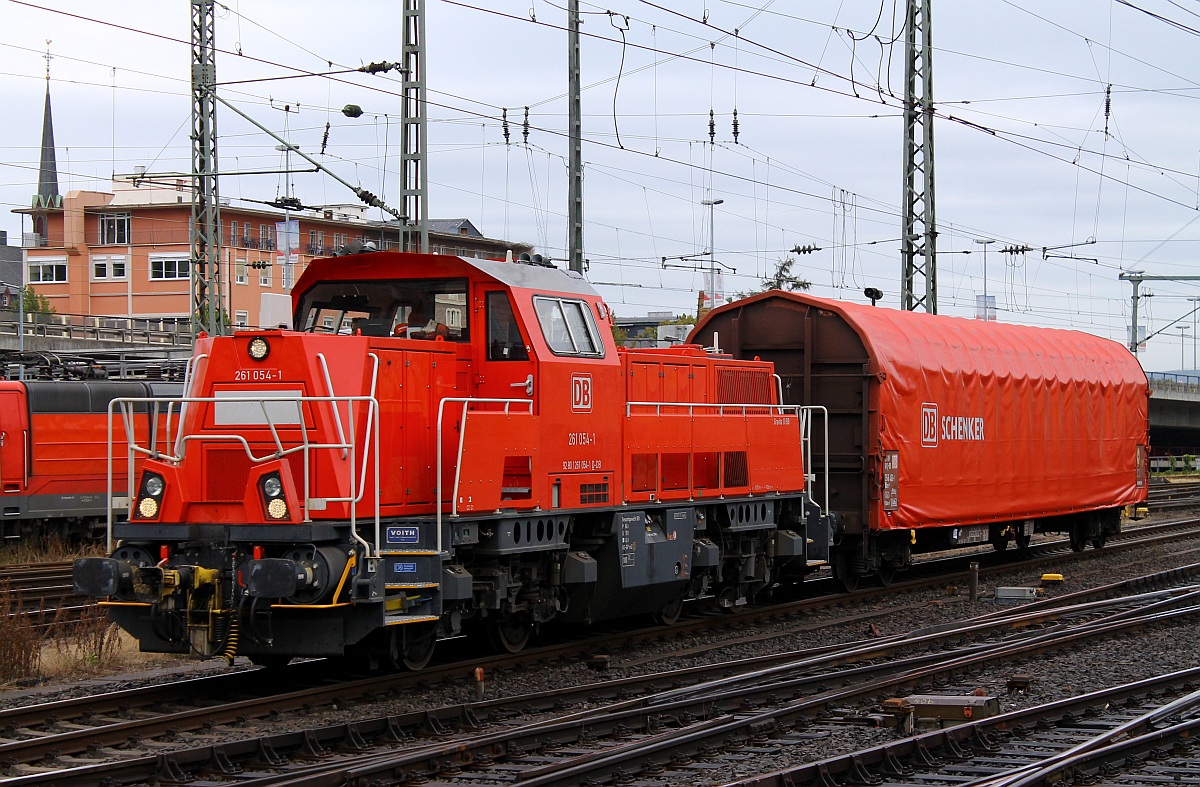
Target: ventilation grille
{"x":593,"y":493}
{"x":743,"y":386}
{"x":226,"y":471}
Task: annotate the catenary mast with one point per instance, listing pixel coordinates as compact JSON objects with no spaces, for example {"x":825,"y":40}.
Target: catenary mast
{"x":918,"y":249}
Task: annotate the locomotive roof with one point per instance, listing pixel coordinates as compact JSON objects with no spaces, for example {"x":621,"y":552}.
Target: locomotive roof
{"x":899,"y":341}
{"x":390,"y":264}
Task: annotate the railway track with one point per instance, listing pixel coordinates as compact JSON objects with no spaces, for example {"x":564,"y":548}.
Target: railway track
{"x":43,"y":592}
{"x":1141,"y":733}
{"x":651,"y":725}
{"x":49,"y":738}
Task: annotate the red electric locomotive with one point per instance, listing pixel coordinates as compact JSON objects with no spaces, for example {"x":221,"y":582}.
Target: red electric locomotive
{"x":54,"y":455}
{"x":946,"y":432}
{"x":448,"y":444}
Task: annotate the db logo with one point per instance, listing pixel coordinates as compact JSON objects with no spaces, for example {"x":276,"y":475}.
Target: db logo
{"x":581,"y":393}
{"x":929,"y":424}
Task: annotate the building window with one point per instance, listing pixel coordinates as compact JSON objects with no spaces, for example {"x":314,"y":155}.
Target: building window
{"x":168,"y":268}
{"x":114,"y":229}
{"x":109,"y":267}
{"x":239,"y":272}
{"x":233,"y":233}
{"x":241,"y":319}
{"x":263,"y":237}
{"x":47,"y":271}
{"x":453,"y":317}
{"x":264,"y":277}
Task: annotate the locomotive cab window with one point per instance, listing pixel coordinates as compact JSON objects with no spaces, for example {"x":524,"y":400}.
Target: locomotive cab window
{"x":568,"y":326}
{"x":409,"y":308}
{"x":503,"y":335}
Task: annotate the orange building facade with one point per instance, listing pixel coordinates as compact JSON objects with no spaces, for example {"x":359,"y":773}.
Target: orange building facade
{"x":127,"y":253}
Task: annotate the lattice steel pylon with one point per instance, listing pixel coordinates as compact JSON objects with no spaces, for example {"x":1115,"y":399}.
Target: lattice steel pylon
{"x":207,"y":314}
{"x":918,"y":242}
{"x":575,"y":142}
{"x":414,"y":176}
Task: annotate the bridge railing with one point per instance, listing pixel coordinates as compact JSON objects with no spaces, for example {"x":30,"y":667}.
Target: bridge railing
{"x":159,"y":331}
{"x":1174,"y":381}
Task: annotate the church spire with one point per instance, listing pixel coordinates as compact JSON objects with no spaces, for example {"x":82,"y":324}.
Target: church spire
{"x":47,"y":194}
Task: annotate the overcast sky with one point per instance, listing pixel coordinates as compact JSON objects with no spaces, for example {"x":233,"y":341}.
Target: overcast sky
{"x":1029,"y":149}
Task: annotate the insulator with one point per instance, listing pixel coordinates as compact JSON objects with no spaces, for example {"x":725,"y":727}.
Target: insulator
{"x":712,"y":127}
{"x":735,"y":127}
{"x":525,"y":127}
{"x":325,"y":139}
{"x":504,"y":123}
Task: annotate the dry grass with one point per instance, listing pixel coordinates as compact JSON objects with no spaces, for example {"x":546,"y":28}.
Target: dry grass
{"x":63,"y":649}
{"x":46,"y":550}
{"x":19,"y":638}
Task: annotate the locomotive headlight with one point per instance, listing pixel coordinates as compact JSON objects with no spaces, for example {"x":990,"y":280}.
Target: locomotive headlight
{"x":150,"y":496}
{"x":154,"y":485}
{"x":258,"y":348}
{"x":272,"y":486}
{"x":275,"y":506}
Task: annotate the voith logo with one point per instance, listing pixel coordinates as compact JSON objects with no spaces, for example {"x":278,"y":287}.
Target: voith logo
{"x":929,"y":424}
{"x":581,"y":393}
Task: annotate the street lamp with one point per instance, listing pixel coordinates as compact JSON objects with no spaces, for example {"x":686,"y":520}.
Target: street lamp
{"x":1183,"y":329}
{"x":712,"y":246}
{"x":987,"y":312}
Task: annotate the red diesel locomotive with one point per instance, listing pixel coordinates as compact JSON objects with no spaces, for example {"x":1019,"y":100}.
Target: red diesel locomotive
{"x":54,"y":455}
{"x":446,"y":445}
{"x":945,"y":431}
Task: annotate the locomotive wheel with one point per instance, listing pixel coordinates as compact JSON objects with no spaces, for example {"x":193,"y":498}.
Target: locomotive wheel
{"x":510,"y":634}
{"x":669,"y":613}
{"x":413,"y":645}
{"x":843,"y":573}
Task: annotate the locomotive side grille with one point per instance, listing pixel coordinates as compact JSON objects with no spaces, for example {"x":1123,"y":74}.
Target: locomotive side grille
{"x":593,"y":493}
{"x":743,"y":386}
{"x":225,"y":474}
{"x":736,"y":469}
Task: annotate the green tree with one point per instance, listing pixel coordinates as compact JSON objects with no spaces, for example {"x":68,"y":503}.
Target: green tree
{"x":33,"y":303}
{"x":781,"y":279}
{"x":619,"y":334}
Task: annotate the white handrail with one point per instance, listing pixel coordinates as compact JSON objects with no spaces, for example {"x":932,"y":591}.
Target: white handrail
{"x":437,"y":491}
{"x":348,"y":448}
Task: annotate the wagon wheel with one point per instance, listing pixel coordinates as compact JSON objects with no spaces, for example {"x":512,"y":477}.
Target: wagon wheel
{"x":1078,"y":538}
{"x":511,"y":633}
{"x":1099,"y":541}
{"x":1022,"y":540}
{"x":887,"y":573}
{"x":1000,"y":543}
{"x":669,"y":613}
{"x":413,"y":645}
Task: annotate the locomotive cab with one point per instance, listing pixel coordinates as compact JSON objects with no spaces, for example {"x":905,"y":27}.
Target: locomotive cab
{"x":445,"y":446}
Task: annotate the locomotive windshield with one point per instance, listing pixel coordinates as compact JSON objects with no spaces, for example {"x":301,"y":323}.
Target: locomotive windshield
{"x":409,"y":308}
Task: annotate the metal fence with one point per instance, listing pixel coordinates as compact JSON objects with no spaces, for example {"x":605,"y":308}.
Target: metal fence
{"x":156,"y":331}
